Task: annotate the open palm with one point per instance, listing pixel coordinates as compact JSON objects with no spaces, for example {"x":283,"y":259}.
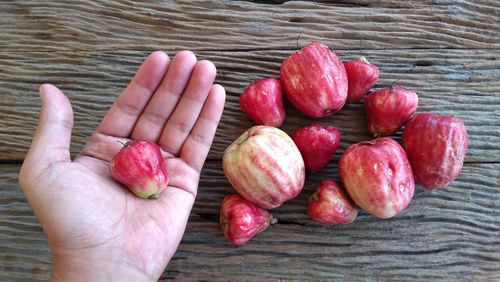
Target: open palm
{"x":94,"y":225}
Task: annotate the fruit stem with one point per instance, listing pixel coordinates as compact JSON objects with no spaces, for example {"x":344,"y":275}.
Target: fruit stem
{"x":391,"y":86}
{"x":124,"y":144}
{"x":314,"y":196}
{"x":298,"y":37}
{"x":363,"y":59}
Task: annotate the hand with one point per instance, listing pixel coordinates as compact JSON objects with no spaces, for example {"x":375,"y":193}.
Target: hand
{"x":96,"y":228}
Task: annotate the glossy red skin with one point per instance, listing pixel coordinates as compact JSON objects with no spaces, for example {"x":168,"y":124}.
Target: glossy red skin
{"x":387,"y":110}
{"x":262,"y":101}
{"x":314,"y":80}
{"x":139,"y":166}
{"x":331,"y":205}
{"x":361,"y":77}
{"x":377,"y":176}
{"x":317,"y":144}
{"x":240,"y":220}
{"x":436,"y":146}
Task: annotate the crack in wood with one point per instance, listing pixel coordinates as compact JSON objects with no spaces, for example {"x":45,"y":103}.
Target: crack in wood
{"x":256,"y":49}
{"x":211,"y":217}
{"x":423,"y":63}
{"x":208,"y":216}
{"x":289,"y":222}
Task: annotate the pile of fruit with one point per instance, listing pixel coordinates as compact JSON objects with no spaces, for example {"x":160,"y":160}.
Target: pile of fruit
{"x":267,"y":167}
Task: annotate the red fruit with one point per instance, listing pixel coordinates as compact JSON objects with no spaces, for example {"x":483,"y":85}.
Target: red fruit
{"x":436,"y":146}
{"x":387,"y":110}
{"x":262,"y":101}
{"x":314,"y":80}
{"x":140,"y":166}
{"x":330,"y":205}
{"x":361,"y":76}
{"x":265,"y":166}
{"x":240,"y":220}
{"x":317,"y":144}
{"x":377,"y":176}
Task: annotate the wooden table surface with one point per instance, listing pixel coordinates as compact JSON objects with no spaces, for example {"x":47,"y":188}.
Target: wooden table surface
{"x":447,"y":51}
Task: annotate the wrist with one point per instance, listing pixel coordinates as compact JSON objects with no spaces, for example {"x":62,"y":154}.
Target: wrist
{"x":82,"y":265}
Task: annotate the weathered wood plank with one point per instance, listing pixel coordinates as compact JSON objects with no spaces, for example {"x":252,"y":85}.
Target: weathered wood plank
{"x":460,"y":82}
{"x":449,"y":234}
{"x":239,"y":25}
{"x":445,"y":50}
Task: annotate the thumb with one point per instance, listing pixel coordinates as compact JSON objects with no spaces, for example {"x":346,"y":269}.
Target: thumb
{"x":52,"y":137}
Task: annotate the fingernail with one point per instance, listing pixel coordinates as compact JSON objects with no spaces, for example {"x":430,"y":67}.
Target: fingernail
{"x":41,"y":91}
{"x":45,"y":88}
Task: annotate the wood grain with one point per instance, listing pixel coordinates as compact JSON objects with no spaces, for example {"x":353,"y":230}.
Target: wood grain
{"x":449,"y":234}
{"x":459,"y":82}
{"x":447,"y":51}
{"x":240,"y":25}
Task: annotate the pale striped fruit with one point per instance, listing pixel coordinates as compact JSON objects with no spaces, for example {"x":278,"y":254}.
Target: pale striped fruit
{"x":265,"y":166}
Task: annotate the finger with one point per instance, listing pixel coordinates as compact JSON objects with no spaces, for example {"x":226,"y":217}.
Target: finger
{"x":195,"y":149}
{"x":163,"y":102}
{"x":123,"y":114}
{"x":52,"y":138}
{"x":186,"y":113}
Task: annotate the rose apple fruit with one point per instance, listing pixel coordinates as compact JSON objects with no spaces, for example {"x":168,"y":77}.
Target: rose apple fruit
{"x":361,"y":77}
{"x":265,"y":166}
{"x":317,"y":144}
{"x":314,"y":80}
{"x":387,"y":110}
{"x":377,"y":176}
{"x":262,"y":101}
{"x":330,"y":204}
{"x":240,"y":220}
{"x":436,"y":146}
{"x":140,"y":166}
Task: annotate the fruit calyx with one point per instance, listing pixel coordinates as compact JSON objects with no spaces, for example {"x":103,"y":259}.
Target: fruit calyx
{"x":273,"y":220}
{"x":154,"y":196}
{"x":244,"y":137}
